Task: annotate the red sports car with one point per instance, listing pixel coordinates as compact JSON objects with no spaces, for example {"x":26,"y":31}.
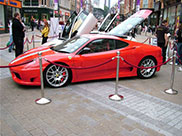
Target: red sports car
{"x":83,"y":56}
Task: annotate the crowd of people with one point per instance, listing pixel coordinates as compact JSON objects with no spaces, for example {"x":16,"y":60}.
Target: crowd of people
{"x":17,"y":32}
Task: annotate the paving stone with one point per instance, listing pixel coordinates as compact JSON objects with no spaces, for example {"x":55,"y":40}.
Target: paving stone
{"x":125,"y":133}
{"x":138,"y":132}
{"x":145,"y":106}
{"x":49,"y":131}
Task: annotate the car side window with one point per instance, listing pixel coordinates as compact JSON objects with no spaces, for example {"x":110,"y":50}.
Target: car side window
{"x":101,"y":45}
{"x":121,"y":44}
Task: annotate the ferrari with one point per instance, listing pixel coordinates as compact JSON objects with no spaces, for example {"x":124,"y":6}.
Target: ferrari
{"x":89,"y":57}
{"x":80,"y":59}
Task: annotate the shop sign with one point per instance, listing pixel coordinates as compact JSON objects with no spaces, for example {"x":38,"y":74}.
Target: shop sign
{"x":30,"y":11}
{"x":56,"y":12}
{"x":11,"y":3}
{"x":3,"y":2}
{"x":67,"y":14}
{"x":14,"y":3}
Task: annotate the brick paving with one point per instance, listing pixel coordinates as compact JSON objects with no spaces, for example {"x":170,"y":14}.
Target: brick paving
{"x":83,"y":109}
{"x":158,"y":114}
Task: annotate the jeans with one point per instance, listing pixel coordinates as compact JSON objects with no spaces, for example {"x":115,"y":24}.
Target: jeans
{"x":163,"y":47}
{"x":11,"y":40}
{"x":179,"y":52}
{"x":19,"y":45}
{"x":44,"y":39}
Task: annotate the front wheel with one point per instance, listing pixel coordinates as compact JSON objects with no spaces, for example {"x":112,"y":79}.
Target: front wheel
{"x":146,"y":73}
{"x":56,"y":76}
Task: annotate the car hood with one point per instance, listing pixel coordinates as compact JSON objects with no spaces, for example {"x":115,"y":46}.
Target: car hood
{"x":54,"y":42}
{"x":131,"y":22}
{"x":33,"y":54}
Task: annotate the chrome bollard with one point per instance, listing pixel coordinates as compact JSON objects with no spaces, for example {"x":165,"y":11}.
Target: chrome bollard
{"x":41,"y":100}
{"x":116,"y":96}
{"x":27,"y":45}
{"x":171,"y":90}
{"x":33,"y":40}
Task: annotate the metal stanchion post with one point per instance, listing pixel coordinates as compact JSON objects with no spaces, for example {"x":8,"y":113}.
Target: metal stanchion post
{"x":150,"y":40}
{"x":116,"y":96}
{"x":33,"y":40}
{"x":171,"y":90}
{"x":27,"y":45}
{"x":168,"y":49}
{"x":42,"y":100}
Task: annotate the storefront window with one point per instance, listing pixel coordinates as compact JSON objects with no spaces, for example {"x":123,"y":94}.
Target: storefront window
{"x":171,"y":16}
{"x":178,"y":10}
{"x":2,"y":25}
{"x":31,"y":3}
{"x":165,"y":14}
{"x":26,"y":3}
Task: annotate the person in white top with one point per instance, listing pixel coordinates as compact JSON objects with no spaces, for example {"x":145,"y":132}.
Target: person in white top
{"x":11,"y":36}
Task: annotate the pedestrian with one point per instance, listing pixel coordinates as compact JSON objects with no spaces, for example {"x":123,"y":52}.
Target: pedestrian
{"x":11,"y":36}
{"x":179,"y":45}
{"x":45,"y":32}
{"x":162,"y":38}
{"x":18,"y":31}
{"x":32,"y":22}
{"x":145,"y":29}
{"x":38,"y":24}
{"x":60,"y":28}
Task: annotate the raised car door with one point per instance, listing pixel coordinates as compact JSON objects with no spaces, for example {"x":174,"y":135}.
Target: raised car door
{"x":107,"y":22}
{"x":130,"y":23}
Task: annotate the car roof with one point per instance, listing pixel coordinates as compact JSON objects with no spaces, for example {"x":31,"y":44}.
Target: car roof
{"x":99,"y":36}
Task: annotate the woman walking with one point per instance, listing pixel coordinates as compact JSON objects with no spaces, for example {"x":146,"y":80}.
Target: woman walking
{"x":45,"y":32}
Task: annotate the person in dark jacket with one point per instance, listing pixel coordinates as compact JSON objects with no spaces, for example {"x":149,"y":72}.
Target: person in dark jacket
{"x":162,"y":38}
{"x":179,"y":45}
{"x":18,"y":34}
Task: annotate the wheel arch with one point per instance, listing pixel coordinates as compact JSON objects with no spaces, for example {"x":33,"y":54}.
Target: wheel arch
{"x":149,"y":56}
{"x":61,"y":63}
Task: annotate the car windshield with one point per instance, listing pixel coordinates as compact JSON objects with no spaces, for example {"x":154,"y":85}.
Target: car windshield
{"x":71,"y":45}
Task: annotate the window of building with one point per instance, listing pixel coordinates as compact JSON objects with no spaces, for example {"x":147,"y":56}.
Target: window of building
{"x":31,"y":2}
{"x":178,"y":10}
{"x":35,"y":2}
{"x":145,"y":3}
{"x":2,"y":25}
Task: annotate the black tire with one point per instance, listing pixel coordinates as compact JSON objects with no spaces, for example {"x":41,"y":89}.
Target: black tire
{"x":147,"y":73}
{"x":56,"y":76}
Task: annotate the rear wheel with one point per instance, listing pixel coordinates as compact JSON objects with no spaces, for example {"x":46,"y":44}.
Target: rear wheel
{"x":56,"y":76}
{"x":146,"y":73}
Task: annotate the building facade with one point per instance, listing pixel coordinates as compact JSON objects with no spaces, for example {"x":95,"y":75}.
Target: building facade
{"x":163,"y":9}
{"x":64,"y":9}
{"x":39,"y":9}
{"x":7,"y":10}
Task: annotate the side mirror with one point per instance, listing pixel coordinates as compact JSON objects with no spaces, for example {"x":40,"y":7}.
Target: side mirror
{"x":85,"y":50}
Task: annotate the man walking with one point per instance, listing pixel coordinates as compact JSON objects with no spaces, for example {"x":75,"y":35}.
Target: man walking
{"x":162,"y":38}
{"x":18,"y":34}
